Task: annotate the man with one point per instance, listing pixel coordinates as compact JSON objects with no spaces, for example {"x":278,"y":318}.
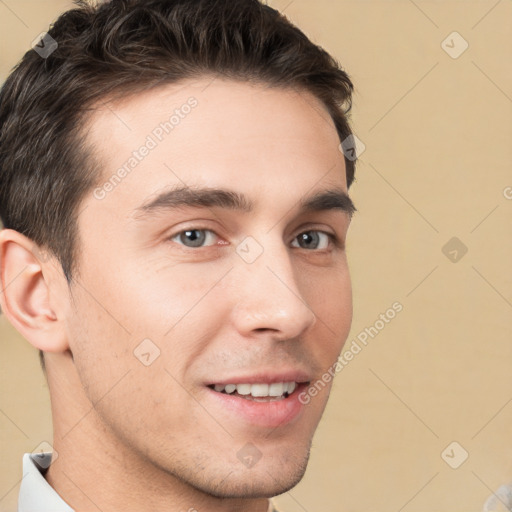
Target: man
{"x":175,"y":213}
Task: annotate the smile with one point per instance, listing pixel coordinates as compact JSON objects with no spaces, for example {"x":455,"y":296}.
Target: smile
{"x":259,"y":392}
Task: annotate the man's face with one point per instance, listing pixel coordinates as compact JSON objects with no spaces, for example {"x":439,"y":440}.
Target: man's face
{"x":224,"y":295}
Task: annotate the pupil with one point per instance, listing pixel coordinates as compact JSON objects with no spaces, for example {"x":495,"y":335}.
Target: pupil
{"x":306,"y":237}
{"x":192,"y":234}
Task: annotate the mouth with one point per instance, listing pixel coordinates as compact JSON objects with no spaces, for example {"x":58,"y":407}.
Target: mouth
{"x":258,"y":392}
{"x":270,"y":404}
{"x":266,"y":398}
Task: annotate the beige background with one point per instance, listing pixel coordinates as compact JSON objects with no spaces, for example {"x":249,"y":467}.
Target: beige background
{"x":438,"y":133}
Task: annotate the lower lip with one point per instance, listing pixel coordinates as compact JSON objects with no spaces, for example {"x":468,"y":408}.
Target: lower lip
{"x":264,"y":414}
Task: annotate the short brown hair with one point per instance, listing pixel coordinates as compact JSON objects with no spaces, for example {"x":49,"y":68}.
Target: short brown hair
{"x":123,"y":47}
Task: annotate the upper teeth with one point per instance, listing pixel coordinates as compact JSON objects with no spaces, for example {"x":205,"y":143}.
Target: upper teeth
{"x":274,"y":389}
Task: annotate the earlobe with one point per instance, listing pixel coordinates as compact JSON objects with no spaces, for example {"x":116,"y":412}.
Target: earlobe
{"x":25,"y":293}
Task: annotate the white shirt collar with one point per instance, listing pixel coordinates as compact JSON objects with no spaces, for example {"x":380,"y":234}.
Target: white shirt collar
{"x":37,"y":495}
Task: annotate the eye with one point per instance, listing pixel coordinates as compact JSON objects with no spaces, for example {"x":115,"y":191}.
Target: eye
{"x":308,"y":238}
{"x":193,"y":237}
{"x":311,"y":240}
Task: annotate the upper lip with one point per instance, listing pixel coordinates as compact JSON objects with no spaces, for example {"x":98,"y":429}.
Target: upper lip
{"x":265,"y":377}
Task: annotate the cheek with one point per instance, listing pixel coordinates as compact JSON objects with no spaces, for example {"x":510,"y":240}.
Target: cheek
{"x":331,"y":301}
{"x":158,"y":298}
{"x":101,"y":350}
{"x":111,"y":327}
{"x":101,"y":339}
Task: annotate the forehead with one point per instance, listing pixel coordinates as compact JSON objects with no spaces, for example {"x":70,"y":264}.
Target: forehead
{"x":213,"y":132}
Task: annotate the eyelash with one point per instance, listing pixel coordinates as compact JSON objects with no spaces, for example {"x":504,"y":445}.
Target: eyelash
{"x":332,"y":238}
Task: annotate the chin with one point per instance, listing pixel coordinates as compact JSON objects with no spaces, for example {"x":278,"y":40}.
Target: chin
{"x":262,"y":480}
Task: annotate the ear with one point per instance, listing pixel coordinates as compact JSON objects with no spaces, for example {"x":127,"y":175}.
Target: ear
{"x":25,"y":293}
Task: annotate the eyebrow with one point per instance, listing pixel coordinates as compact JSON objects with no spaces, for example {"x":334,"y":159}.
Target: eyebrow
{"x":199,"y":197}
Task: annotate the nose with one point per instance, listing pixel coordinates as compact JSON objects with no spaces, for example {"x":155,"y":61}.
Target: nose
{"x":270,"y":297}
